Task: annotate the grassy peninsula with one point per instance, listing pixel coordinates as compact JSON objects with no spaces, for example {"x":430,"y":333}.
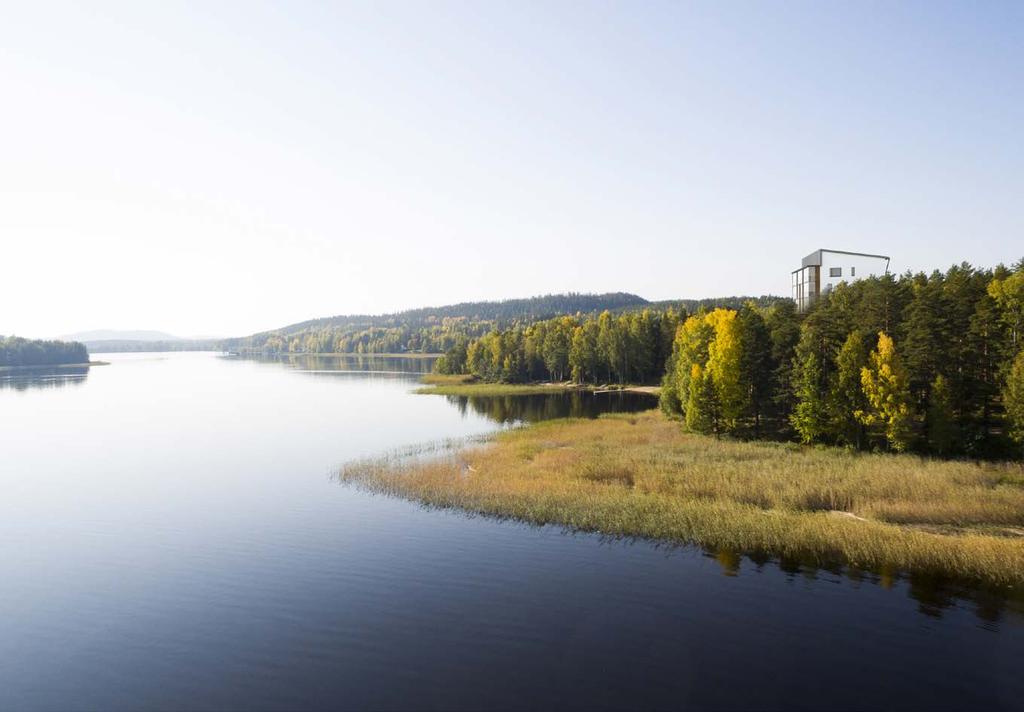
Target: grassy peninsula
{"x":440,"y":384}
{"x":641,"y":475}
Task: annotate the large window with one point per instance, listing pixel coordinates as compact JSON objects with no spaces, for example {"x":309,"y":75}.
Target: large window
{"x":835,"y":271}
{"x":805,"y":286}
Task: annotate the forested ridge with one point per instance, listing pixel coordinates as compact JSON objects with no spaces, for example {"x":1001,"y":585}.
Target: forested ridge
{"x":928,"y":363}
{"x":427,"y":330}
{"x":437,"y":329}
{"x":16,"y":351}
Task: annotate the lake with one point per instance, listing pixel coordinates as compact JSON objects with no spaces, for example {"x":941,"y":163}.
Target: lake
{"x":172,"y":536}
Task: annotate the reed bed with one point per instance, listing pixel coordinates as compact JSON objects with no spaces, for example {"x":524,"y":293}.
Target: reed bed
{"x":446,"y":379}
{"x":639,"y":475}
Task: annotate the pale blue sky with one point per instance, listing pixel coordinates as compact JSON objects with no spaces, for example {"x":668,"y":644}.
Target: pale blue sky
{"x":230,"y":167}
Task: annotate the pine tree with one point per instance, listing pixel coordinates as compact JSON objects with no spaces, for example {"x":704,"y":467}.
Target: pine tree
{"x":987,"y":355}
{"x":939,"y":422}
{"x":784,"y":325}
{"x":925,"y":334}
{"x":756,"y":366}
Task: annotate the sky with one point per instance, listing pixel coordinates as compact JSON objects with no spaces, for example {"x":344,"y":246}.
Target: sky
{"x":224,"y":168}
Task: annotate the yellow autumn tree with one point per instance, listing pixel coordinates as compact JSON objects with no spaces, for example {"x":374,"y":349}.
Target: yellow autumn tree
{"x":724,"y":368}
{"x":700,"y":407}
{"x":887,"y":391}
{"x":705,"y":378}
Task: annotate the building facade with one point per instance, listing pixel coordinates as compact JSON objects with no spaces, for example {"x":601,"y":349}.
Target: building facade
{"x":822,"y":270}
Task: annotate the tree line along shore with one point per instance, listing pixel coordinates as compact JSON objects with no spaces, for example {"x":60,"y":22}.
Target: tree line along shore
{"x":931,"y":364}
{"x":880,"y":430}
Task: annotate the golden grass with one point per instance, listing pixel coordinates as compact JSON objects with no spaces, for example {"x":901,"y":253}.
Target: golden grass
{"x":640,"y":475}
{"x":445,"y":379}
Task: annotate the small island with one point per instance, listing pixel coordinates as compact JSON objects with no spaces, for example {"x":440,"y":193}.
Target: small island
{"x":17,"y":353}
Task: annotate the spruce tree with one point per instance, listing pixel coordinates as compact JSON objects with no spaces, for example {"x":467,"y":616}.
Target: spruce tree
{"x":810,"y":416}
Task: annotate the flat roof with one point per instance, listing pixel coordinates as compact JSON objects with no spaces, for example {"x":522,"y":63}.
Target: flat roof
{"x":815,"y":257}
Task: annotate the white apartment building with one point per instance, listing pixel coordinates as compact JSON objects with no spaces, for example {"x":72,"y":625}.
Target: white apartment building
{"x":822,"y":270}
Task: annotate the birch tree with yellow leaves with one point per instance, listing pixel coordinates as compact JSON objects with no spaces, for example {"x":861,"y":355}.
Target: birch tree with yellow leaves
{"x":887,"y":391}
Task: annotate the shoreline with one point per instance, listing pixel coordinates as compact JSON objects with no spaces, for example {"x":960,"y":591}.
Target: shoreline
{"x":462,"y":385}
{"x":639,"y":475}
{"x":416,"y":354}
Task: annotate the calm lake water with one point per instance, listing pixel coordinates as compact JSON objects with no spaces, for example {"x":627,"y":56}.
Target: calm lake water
{"x":172,"y":537}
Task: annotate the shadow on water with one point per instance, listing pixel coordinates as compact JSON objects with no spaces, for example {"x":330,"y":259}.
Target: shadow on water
{"x":934,"y":594}
{"x":44,"y":377}
{"x":547,"y":406}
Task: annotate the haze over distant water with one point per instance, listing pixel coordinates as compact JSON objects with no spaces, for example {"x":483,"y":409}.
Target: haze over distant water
{"x":120,"y":334}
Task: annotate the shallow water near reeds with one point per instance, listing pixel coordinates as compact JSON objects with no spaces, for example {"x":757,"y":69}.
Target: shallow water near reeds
{"x":173,"y":536}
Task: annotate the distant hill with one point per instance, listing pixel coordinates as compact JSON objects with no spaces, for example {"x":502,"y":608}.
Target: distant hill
{"x":527,"y":309}
{"x":120,"y":335}
{"x":123,"y":340}
{"x":437,"y":329}
{"x":427,"y":328}
{"x":131,"y":345}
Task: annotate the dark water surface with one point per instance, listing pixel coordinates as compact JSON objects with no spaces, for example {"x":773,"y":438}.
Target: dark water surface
{"x":171,"y":537}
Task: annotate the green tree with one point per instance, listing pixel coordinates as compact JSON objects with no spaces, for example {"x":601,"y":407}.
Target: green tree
{"x":925,"y":334}
{"x":756,"y":365}
{"x":784,"y":326}
{"x":810,"y":417}
{"x":939,"y":421}
{"x":584,"y":360}
{"x":1008,"y":293}
{"x":1013,"y":399}
{"x":690,"y":349}
{"x":556,"y":348}
{"x":700,"y":401}
{"x":846,"y":398}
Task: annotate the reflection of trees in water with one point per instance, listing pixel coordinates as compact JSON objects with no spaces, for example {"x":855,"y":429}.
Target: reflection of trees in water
{"x":934,"y":594}
{"x":354,"y":362}
{"x":43,"y":378}
{"x":546,"y":406}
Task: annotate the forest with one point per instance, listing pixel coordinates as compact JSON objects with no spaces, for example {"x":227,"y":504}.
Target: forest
{"x":16,"y":351}
{"x":925,"y":363}
{"x":437,"y":329}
